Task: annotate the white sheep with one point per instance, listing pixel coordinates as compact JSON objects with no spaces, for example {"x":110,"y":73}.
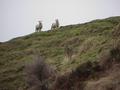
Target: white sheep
{"x":55,"y":25}
{"x":38,"y":27}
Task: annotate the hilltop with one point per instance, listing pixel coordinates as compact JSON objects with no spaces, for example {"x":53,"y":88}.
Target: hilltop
{"x":88,"y":42}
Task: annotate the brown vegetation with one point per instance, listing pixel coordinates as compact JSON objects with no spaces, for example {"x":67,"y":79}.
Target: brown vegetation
{"x":109,"y":78}
{"x":102,"y":75}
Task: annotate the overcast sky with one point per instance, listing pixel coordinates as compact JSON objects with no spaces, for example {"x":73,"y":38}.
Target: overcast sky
{"x":19,"y":17}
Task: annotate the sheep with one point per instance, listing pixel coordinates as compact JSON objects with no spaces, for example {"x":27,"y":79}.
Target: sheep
{"x":38,"y":27}
{"x":55,"y":25}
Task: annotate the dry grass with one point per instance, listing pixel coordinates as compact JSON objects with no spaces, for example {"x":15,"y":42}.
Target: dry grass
{"x":88,"y":44}
{"x":111,"y":80}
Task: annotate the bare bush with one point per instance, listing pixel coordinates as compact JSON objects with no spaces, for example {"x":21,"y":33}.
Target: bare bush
{"x":38,"y":75}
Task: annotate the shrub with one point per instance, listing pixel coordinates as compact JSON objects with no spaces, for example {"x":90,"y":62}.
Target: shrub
{"x":38,"y":75}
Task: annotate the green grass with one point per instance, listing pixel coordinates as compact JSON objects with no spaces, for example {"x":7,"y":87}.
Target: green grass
{"x":87,"y":41}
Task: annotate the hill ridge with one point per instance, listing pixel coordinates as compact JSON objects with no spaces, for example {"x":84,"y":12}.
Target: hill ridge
{"x":86,"y":42}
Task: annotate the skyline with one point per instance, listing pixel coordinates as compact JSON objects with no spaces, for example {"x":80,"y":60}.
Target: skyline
{"x":19,"y":17}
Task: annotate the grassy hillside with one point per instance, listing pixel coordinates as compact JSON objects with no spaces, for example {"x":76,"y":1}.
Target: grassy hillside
{"x":87,"y":41}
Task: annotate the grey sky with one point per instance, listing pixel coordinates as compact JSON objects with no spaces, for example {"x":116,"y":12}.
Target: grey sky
{"x":19,"y":17}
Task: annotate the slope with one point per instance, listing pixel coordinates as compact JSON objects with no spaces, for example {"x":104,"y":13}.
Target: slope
{"x":87,"y":41}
